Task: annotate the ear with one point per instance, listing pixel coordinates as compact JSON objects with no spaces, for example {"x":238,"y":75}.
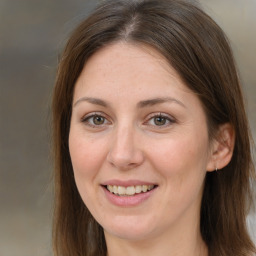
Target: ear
{"x":222,"y":148}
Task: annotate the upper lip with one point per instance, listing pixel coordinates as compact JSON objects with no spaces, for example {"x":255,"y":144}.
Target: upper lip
{"x":126,"y":183}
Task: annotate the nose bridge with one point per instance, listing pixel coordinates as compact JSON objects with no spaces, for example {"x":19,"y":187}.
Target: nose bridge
{"x":124,"y":151}
{"x":124,"y":136}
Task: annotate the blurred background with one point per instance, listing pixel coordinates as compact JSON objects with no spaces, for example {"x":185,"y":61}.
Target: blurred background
{"x":32,"y":34}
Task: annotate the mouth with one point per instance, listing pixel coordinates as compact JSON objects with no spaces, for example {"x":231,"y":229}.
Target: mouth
{"x":130,"y":190}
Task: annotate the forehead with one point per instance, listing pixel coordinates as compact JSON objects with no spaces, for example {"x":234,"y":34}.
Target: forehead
{"x":126,"y":67}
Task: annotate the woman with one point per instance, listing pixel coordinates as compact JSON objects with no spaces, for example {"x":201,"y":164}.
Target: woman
{"x":152,"y":145}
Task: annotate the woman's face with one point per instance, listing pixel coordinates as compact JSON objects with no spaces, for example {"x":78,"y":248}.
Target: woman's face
{"x":138,"y":143}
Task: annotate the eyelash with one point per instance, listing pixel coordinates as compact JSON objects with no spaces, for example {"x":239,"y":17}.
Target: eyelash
{"x":152,"y":117}
{"x":166,"y":117}
{"x":86,"y":119}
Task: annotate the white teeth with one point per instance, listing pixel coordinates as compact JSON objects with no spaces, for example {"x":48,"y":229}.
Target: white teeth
{"x":138,"y":189}
{"x":129,"y":191}
{"x":150,"y":187}
{"x":115,"y":189}
{"x":121,"y":190}
{"x":110,"y":188}
{"x":144,"y":188}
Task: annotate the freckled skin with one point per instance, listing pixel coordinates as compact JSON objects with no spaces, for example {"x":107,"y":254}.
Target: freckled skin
{"x":130,"y":146}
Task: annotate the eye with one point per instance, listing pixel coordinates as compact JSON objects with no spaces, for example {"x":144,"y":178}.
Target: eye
{"x":160,"y":120}
{"x":95,"y":120}
{"x":98,"y":120}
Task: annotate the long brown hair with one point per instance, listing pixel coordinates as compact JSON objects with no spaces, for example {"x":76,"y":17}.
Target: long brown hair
{"x":198,"y":50}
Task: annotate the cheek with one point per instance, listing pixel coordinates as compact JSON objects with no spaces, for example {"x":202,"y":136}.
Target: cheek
{"x":182,"y":160}
{"x":87,"y":156}
{"x":182,"y":163}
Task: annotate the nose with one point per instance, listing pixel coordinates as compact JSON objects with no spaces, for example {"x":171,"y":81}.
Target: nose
{"x":125,"y":152}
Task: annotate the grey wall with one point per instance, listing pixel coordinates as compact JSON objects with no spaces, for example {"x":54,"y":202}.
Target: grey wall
{"x":32,"y":33}
{"x":238,"y":20}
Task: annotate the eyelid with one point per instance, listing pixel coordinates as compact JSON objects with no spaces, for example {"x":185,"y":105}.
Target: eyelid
{"x":86,"y":117}
{"x":170,"y":119}
{"x":91,"y":114}
{"x":160,"y":114}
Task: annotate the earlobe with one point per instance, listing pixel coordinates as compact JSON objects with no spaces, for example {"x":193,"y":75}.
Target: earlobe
{"x":222,"y":148}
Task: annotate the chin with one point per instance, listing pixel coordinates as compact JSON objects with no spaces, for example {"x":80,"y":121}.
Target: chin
{"x":129,"y":228}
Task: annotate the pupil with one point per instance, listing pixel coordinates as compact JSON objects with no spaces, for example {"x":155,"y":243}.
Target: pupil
{"x":98,"y":120}
{"x":160,"y":120}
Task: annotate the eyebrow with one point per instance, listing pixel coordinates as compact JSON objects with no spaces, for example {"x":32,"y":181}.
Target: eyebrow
{"x":155,"y":101}
{"x":94,"y":101}
{"x":141,"y":104}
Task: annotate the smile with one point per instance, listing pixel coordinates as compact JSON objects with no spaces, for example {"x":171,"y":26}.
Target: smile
{"x":129,"y":191}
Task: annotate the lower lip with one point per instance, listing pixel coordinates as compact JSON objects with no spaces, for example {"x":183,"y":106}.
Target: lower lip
{"x":128,"y":201}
